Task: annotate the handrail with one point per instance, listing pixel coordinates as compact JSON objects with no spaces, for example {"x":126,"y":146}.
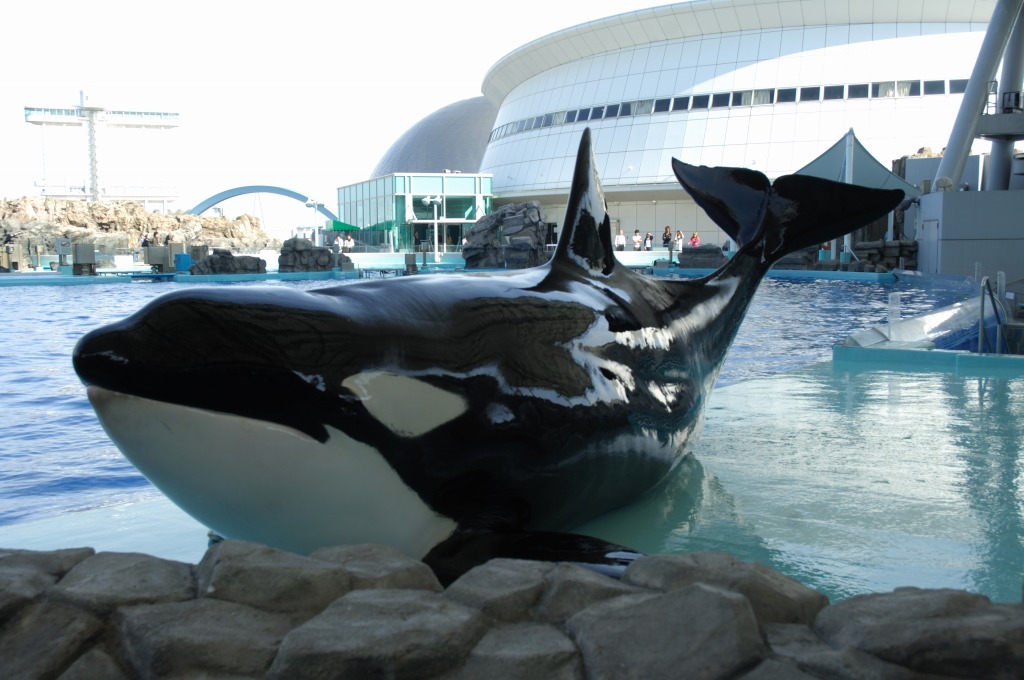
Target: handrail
{"x":986,"y":286}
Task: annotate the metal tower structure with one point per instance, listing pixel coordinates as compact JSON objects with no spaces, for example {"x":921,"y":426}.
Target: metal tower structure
{"x":1004,"y":40}
{"x":94,"y":119}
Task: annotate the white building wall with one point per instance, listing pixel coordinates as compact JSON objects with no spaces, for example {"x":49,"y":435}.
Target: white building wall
{"x":776,"y":139}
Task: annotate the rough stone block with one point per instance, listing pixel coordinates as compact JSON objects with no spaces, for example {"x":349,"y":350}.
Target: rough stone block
{"x":698,"y":633}
{"x":777,"y":669}
{"x":774,"y":597}
{"x":571,"y":589}
{"x":55,"y":562}
{"x":108,"y":580}
{"x":19,"y":586}
{"x":270,"y":579}
{"x":381,"y":633}
{"x":948,"y":632}
{"x":798,"y":643}
{"x":199,"y":638}
{"x":45,"y":638}
{"x":504,"y":589}
{"x":525,"y":651}
{"x":94,"y":665}
{"x":380,"y":566}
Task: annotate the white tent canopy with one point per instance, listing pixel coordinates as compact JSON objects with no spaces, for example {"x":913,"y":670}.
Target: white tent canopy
{"x":867,"y":171}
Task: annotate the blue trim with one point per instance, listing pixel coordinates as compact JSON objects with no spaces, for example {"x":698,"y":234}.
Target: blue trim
{"x":256,"y":189}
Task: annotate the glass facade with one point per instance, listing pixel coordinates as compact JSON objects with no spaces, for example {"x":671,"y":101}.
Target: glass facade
{"x":397,"y":212}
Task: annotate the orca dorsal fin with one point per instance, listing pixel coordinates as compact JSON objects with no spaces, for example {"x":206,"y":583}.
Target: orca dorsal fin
{"x":586,"y":239}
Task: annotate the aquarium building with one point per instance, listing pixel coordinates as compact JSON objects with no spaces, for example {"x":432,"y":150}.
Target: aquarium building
{"x":764,"y":84}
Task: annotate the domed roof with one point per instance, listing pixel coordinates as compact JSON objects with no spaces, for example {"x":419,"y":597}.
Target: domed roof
{"x":452,"y":138}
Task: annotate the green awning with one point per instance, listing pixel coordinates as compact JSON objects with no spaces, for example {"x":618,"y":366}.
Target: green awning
{"x":342,"y":226}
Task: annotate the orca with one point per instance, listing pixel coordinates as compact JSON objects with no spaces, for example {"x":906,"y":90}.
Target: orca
{"x":455,"y":417}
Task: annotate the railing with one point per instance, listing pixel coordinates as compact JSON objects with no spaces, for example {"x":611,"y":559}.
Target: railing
{"x":983,"y":344}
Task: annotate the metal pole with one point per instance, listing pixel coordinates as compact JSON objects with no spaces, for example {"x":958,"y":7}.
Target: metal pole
{"x":848,"y":178}
{"x":437,"y":253}
{"x":997,"y":175}
{"x":962,"y":136}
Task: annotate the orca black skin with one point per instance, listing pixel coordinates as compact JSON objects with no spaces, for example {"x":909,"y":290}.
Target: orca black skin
{"x":428,"y":412}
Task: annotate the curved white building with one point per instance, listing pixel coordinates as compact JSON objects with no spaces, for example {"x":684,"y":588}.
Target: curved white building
{"x":765,"y":84}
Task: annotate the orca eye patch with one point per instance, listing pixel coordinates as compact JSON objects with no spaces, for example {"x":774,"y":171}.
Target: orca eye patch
{"x":409,"y":407}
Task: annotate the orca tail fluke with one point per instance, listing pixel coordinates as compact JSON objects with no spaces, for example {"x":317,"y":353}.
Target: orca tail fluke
{"x":796,"y":212}
{"x":470,"y":548}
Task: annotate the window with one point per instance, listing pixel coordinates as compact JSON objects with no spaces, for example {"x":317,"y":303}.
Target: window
{"x":880,"y":90}
{"x":596,"y":113}
{"x":810,"y":94}
{"x":537,"y":122}
{"x":584,"y":115}
{"x":742,"y":98}
{"x":680,"y":103}
{"x":908,"y":88}
{"x":960,"y":86}
{"x":644,"y":106}
{"x":548,"y":119}
{"x":626,"y":109}
{"x":570,"y":116}
{"x":701,"y":101}
{"x":662,"y":105}
{"x":833,"y":92}
{"x":786,"y":95}
{"x":858,"y":91}
{"x":762,"y":97}
{"x":935,"y":87}
{"x":611,"y":110}
{"x":719,"y":100}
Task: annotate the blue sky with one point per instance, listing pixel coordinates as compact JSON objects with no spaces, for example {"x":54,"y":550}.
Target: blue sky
{"x":305,"y":95}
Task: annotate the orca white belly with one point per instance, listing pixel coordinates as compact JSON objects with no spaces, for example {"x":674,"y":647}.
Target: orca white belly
{"x":264,"y":482}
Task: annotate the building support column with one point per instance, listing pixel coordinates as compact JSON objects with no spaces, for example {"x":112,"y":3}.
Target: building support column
{"x":954,"y":159}
{"x":997,"y":175}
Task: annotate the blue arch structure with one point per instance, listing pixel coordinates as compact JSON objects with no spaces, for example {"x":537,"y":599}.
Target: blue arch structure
{"x":256,"y":189}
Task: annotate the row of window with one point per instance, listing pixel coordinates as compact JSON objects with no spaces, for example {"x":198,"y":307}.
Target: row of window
{"x":703,"y":102}
{"x":77,"y":112}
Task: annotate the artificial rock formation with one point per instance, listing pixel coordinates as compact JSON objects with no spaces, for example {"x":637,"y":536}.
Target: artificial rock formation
{"x":300,"y":255}
{"x":250,"y":611}
{"x":513,"y":237}
{"x":222,"y":261}
{"x":119,"y":225}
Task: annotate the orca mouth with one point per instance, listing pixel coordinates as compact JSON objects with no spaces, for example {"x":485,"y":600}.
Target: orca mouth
{"x":212,"y":353}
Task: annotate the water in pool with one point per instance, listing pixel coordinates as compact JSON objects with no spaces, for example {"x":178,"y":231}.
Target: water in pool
{"x":851,"y":481}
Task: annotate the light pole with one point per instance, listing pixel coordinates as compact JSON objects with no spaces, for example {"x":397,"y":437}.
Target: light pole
{"x":310,"y":203}
{"x":435,"y":201}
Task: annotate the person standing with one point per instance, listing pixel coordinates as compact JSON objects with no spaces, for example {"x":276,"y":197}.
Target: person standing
{"x":666,"y":239}
{"x":637,"y":241}
{"x":695,"y":240}
{"x":679,"y":240}
{"x":620,"y":240}
{"x":649,"y":241}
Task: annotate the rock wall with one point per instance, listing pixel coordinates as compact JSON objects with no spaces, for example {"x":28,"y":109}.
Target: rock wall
{"x":114,"y":225}
{"x":513,"y":237}
{"x":367,"y":611}
{"x":887,"y":254}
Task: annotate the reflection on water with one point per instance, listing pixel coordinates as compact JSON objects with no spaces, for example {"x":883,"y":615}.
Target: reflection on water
{"x":853,"y":481}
